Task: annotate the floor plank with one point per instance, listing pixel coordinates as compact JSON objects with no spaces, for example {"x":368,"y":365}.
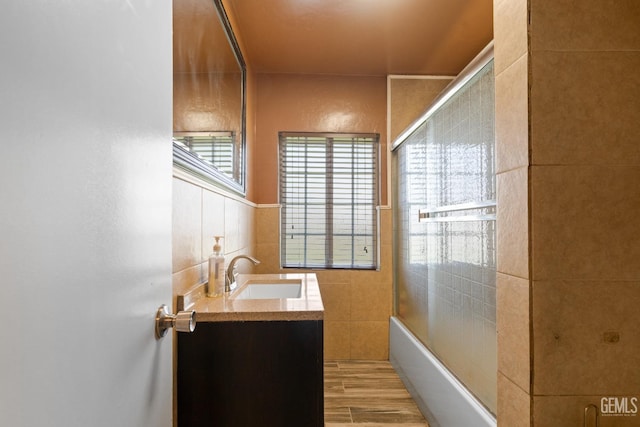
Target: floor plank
{"x":367,"y":394}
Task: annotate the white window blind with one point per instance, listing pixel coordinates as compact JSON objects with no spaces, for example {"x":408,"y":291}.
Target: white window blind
{"x":329,"y":199}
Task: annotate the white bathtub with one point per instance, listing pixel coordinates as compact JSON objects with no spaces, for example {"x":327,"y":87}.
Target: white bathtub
{"x":443,"y":400}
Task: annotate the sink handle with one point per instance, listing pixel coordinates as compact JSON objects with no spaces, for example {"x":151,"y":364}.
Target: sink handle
{"x":183,"y":321}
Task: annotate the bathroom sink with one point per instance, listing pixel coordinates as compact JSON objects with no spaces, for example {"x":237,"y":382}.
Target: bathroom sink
{"x":271,"y":290}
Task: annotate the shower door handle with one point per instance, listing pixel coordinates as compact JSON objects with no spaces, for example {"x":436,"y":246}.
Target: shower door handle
{"x":591,"y":416}
{"x":441,"y":213}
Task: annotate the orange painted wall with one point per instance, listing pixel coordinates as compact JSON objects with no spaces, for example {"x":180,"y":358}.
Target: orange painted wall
{"x":313,"y":103}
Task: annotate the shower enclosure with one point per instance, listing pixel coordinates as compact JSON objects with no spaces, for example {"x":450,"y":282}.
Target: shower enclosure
{"x":445,"y":293}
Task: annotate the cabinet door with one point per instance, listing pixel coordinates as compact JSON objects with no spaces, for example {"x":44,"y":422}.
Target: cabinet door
{"x":251,"y":374}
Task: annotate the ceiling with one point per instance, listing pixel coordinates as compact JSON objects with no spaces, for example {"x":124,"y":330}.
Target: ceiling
{"x":362,"y":37}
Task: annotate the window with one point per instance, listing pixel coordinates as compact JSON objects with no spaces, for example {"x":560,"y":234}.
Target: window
{"x":329,"y":199}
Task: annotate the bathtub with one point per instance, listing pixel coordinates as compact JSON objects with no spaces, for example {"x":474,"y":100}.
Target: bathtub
{"x":442,"y":399}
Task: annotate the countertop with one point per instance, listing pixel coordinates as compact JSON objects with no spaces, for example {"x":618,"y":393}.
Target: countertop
{"x":228,"y":308}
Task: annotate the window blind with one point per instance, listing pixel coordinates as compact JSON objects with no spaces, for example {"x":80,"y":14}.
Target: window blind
{"x":329,"y":198}
{"x":216,"y":148}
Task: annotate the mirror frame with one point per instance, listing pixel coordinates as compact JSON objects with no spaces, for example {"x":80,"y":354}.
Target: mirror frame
{"x":194,"y":165}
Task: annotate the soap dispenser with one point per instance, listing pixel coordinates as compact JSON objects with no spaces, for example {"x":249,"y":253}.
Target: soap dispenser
{"x":215,"y":287}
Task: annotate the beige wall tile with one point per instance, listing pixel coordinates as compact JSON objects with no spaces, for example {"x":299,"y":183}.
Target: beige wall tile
{"x":247,"y":228}
{"x":586,"y":338}
{"x":370,"y":301}
{"x":512,"y":225}
{"x":370,"y":340}
{"x":368,"y":276}
{"x":267,"y":239}
{"x":337,"y":340}
{"x":198,"y":215}
{"x":514,"y":353}
{"x":385,"y":272}
{"x":510,"y":26}
{"x":386,"y":227}
{"x":267,"y":225}
{"x":336,"y":298}
{"x":585,"y":25}
{"x":212,"y":221}
{"x":335,"y":276}
{"x":409,"y":98}
{"x":269,"y":256}
{"x":584,"y":222}
{"x":584,"y":110}
{"x":232,"y":226}
{"x":185,"y":279}
{"x":512,"y":116}
{"x":514,"y":405}
{"x":563,"y":411}
{"x":571,"y":125}
{"x":186,"y":223}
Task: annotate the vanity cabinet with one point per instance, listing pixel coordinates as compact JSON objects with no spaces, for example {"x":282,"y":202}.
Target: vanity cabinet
{"x":251,"y":373}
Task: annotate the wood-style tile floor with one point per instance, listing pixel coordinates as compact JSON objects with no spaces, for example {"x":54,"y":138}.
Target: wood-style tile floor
{"x":367,"y":394}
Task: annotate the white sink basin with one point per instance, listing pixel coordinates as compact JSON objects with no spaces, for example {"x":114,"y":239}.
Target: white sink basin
{"x":271,"y":290}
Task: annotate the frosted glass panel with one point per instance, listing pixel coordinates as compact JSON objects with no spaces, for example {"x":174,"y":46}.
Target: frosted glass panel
{"x":446,"y":293}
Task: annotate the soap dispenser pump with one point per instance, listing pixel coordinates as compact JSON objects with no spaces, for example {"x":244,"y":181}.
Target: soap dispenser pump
{"x":215,"y":287}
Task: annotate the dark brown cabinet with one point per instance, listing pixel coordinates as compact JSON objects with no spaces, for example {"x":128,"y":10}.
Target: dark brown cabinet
{"x":253,"y":373}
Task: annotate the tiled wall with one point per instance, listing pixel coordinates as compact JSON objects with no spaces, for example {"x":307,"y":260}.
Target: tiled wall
{"x":512,"y":225}
{"x":568,"y":120}
{"x":201,"y":211}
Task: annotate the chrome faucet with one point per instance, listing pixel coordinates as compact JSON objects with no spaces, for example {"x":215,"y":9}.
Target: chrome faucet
{"x":232,"y":273}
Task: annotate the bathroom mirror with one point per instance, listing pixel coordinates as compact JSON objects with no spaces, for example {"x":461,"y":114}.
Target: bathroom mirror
{"x":209,"y":77}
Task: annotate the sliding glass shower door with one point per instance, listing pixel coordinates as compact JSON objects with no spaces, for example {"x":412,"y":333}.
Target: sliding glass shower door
{"x":445,"y":241}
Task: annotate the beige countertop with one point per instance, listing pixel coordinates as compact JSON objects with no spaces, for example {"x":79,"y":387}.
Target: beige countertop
{"x":229,"y":308}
